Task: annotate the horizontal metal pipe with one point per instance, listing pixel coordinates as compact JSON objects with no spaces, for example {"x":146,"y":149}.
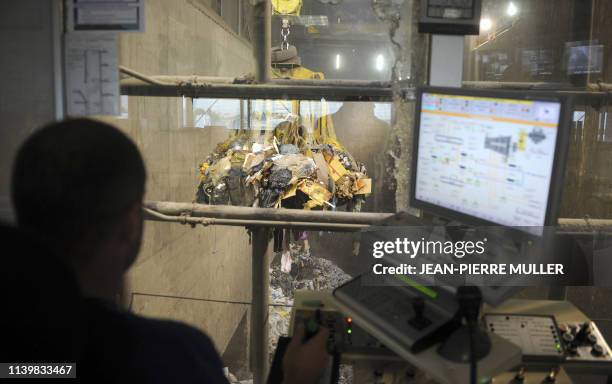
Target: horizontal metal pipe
{"x":565,"y":88}
{"x":258,"y":91}
{"x":194,"y":80}
{"x":582,"y":225}
{"x":602,"y":87}
{"x":265,"y":214}
{"x":310,"y":226}
{"x":294,"y":217}
{"x":335,"y":83}
{"x":516,"y":85}
{"x":142,"y":77}
{"x":246,"y":87}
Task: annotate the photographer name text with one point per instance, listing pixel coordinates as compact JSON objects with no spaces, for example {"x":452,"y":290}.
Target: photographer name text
{"x":469,"y":269}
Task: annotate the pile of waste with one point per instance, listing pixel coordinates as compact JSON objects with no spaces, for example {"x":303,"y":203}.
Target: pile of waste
{"x":306,"y":273}
{"x":290,"y":172}
{"x":232,"y":379}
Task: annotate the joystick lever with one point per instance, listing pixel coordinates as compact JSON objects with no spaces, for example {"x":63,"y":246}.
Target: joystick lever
{"x":312,"y":325}
{"x":583,"y":332}
{"x":419,"y":321}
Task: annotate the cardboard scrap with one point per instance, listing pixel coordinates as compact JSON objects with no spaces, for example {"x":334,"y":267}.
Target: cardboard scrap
{"x":318,"y":194}
{"x":336,"y":169}
{"x":251,"y":160}
{"x":322,"y":169}
{"x":364,"y":186}
{"x":310,"y":204}
{"x":290,"y":192}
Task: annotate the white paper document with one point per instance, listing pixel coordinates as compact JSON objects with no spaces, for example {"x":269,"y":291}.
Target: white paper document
{"x":92,"y":73}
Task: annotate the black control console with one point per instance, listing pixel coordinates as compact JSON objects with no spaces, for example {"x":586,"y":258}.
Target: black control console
{"x":345,"y":337}
{"x":537,"y":336}
{"x":543,"y":340}
{"x":584,"y":343}
{"x":413,"y":316}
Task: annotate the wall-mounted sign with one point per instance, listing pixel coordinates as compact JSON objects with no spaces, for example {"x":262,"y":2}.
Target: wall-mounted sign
{"x":92,"y":73}
{"x":105,"y":15}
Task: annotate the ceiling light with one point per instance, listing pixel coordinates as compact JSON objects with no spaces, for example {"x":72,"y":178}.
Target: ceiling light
{"x":512,"y":10}
{"x":485,"y":24}
{"x":380,"y":62}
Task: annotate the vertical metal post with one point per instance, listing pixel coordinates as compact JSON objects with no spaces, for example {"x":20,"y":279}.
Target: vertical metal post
{"x":262,"y":40}
{"x":57,"y":17}
{"x":259,"y":307}
{"x":262,"y":52}
{"x":260,"y":275}
{"x":240,"y":4}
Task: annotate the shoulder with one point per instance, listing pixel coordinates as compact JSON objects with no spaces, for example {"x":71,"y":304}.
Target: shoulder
{"x":159,"y":350}
{"x":177,"y":349}
{"x":173,"y":333}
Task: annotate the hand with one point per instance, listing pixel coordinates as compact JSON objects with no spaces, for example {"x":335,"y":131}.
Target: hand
{"x":304,"y":362}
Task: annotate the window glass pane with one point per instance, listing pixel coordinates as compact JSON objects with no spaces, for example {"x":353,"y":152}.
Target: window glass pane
{"x":356,"y":132}
{"x":346,"y":40}
{"x":554,"y":41}
{"x":267,"y":114}
{"x":587,"y":181}
{"x":558,"y":45}
{"x":217,"y":112}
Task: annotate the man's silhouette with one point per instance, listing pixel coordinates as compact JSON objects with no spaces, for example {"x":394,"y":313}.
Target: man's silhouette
{"x":78,"y":186}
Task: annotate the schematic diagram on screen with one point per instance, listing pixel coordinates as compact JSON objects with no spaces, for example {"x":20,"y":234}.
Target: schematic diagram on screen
{"x":488,"y":159}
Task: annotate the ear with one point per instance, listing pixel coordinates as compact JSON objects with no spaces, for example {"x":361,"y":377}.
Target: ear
{"x":131,"y":233}
{"x":134,"y":215}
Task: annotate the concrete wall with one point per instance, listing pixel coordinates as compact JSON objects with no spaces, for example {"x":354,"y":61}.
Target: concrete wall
{"x":27,"y":94}
{"x":180,"y":270}
{"x":183,"y":273}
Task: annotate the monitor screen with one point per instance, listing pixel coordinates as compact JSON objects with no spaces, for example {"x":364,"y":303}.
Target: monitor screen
{"x":584,"y":57}
{"x":483,"y":157}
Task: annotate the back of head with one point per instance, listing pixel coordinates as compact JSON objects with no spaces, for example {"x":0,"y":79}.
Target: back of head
{"x":73,"y":180}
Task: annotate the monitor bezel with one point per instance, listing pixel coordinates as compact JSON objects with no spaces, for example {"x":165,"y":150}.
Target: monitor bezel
{"x":559,"y":161}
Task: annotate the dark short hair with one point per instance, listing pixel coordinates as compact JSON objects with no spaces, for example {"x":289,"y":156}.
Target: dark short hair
{"x":72,"y":181}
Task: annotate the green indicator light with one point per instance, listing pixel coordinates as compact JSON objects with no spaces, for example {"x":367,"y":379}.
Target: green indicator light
{"x":349,"y":331}
{"x":558,"y":346}
{"x":421,"y":288}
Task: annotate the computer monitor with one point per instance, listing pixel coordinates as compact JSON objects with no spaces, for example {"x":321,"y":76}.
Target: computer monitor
{"x":489,"y":157}
{"x":584,"y":57}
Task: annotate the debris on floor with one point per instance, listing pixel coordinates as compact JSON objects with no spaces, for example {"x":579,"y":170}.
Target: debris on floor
{"x":305,"y":272}
{"x":301,"y":270}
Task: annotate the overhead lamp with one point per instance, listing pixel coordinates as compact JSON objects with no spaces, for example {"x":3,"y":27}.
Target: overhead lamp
{"x":380,"y":62}
{"x":338,"y":62}
{"x":512,"y":9}
{"x":485,"y":24}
